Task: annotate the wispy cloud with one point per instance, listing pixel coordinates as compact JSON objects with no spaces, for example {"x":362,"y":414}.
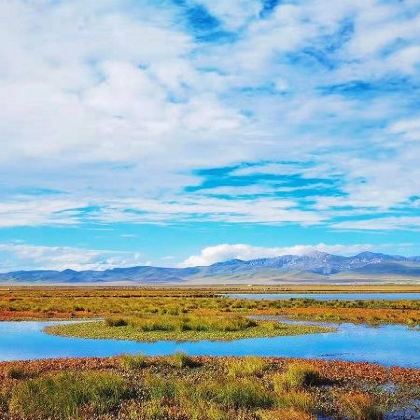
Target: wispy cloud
{"x":15,"y":256}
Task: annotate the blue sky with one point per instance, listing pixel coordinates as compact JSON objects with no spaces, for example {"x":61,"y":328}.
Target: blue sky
{"x":180,"y":132}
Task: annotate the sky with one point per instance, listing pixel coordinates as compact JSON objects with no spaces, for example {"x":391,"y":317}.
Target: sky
{"x":184,"y":132}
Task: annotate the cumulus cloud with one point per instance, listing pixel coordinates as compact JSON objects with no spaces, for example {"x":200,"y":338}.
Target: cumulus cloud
{"x":223,"y":252}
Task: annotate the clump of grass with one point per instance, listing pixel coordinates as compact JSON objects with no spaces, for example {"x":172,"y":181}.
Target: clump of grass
{"x":237,"y":394}
{"x":297,"y":375}
{"x":246,"y":366}
{"x":5,"y":394}
{"x":299,"y":400}
{"x":203,"y":410}
{"x":156,"y":325}
{"x":153,"y":410}
{"x":181,"y":360}
{"x":284,"y":414}
{"x":17,"y":372}
{"x":133,"y":362}
{"x":158,"y":388}
{"x":62,"y":396}
{"x":360,"y":406}
{"x":116,"y":322}
{"x":193,"y":323}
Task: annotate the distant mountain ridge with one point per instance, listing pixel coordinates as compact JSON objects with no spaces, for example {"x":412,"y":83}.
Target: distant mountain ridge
{"x":313,"y":267}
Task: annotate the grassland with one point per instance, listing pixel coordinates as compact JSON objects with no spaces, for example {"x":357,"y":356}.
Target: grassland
{"x":89,"y":302}
{"x":183,"y":388}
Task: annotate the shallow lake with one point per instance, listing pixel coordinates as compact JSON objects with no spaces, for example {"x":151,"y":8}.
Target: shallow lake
{"x":325,"y":296}
{"x":388,"y":345}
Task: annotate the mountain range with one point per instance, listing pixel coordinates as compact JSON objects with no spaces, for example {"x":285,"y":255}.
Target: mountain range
{"x":313,"y":267}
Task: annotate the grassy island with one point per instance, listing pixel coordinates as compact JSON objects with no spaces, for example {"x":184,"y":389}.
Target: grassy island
{"x":181,"y":328}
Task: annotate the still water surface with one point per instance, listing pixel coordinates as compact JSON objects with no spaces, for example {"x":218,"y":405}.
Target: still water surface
{"x":388,"y":345}
{"x":325,"y":296}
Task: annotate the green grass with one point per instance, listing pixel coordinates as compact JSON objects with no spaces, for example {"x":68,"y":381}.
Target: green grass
{"x":237,"y":394}
{"x":182,"y":328}
{"x":300,"y":400}
{"x":181,"y":360}
{"x":297,"y":376}
{"x":133,"y":362}
{"x":246,"y":366}
{"x":62,"y":396}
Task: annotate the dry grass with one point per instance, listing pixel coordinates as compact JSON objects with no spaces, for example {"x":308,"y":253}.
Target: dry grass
{"x":360,"y":406}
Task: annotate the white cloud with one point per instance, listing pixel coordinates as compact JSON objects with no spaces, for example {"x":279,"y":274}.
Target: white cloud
{"x":408,"y":128}
{"x":223,"y":252}
{"x":209,"y":209}
{"x":87,"y":85}
{"x":19,"y":256}
{"x":385,"y":223}
{"x":33,"y":212}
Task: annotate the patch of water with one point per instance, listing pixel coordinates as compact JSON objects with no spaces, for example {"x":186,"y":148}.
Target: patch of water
{"x":387,"y":345}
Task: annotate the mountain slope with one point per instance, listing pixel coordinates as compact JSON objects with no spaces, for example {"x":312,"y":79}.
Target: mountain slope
{"x":316,"y":266}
